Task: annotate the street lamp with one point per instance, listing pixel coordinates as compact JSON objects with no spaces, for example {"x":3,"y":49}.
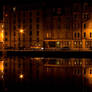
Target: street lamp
{"x":21,"y":31}
{"x":21,"y":37}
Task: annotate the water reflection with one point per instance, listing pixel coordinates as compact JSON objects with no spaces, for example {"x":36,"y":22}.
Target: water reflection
{"x":27,"y":73}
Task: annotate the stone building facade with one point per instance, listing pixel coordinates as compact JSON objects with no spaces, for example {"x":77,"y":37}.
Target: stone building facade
{"x":67,"y":26}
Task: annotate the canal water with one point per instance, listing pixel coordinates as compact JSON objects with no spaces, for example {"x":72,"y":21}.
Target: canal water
{"x":29,"y":74}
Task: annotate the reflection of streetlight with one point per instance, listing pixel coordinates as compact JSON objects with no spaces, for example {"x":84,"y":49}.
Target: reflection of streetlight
{"x":21,"y":76}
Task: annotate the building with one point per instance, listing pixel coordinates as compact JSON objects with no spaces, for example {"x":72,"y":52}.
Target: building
{"x":23,"y":26}
{"x":1,"y":34}
{"x":39,"y":25}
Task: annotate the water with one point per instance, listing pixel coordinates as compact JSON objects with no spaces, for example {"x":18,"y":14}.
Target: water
{"x":45,"y":74}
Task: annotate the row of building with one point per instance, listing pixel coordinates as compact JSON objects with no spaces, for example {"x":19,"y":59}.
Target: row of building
{"x":39,"y":25}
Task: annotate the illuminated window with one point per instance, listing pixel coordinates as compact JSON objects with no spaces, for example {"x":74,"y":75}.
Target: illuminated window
{"x":75,"y":43}
{"x":47,"y":35}
{"x":14,"y":9}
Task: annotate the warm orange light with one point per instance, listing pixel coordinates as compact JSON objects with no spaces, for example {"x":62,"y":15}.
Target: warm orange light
{"x":2,"y":35}
{"x":6,"y":15}
{"x":21,"y":76}
{"x":47,"y":35}
{"x":21,"y":30}
{"x":1,"y":66}
{"x":37,"y":58}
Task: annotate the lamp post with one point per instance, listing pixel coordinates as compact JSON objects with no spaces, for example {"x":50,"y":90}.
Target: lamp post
{"x":21,"y":31}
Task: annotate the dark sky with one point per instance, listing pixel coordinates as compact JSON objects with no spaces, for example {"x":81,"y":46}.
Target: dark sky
{"x":51,"y":3}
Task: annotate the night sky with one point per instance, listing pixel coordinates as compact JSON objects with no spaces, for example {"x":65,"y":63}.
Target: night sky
{"x":50,"y":3}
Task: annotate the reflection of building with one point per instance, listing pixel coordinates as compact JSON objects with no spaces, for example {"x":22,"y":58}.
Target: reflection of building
{"x":39,"y":71}
{"x":68,"y":26}
{"x":1,"y":34}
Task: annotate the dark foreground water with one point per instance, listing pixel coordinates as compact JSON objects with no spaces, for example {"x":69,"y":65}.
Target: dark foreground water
{"x":29,"y":74}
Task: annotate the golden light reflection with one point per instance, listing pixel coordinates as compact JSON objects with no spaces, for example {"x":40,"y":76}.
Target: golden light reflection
{"x":1,"y":66}
{"x":89,"y":75}
{"x":2,"y":36}
{"x":21,"y":76}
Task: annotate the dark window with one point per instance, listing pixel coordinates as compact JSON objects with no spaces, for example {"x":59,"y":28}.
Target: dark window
{"x":14,"y":33}
{"x":90,"y":34}
{"x":23,"y":14}
{"x":78,"y":35}
{"x":85,"y":16}
{"x":38,"y":20}
{"x":30,"y":20}
{"x":14,"y":27}
{"x":23,"y":21}
{"x":19,"y":20}
{"x":75,"y":34}
{"x":6,"y":39}
{"x":38,"y":13}
{"x":14,"y":21}
{"x":14,"y":15}
{"x":30,"y":26}
{"x":5,"y":33}
{"x":30,"y":13}
{"x":24,"y":26}
{"x":90,"y":71}
{"x":18,"y":25}
{"x":30,"y":33}
{"x":75,"y":16}
{"x":30,"y":39}
{"x":52,"y":44}
{"x":38,"y":26}
{"x":84,"y":34}
{"x":84,"y":25}
{"x":59,"y":19}
{"x":67,"y":26}
{"x":37,"y":39}
{"x":37,"y":33}
{"x":59,"y":26}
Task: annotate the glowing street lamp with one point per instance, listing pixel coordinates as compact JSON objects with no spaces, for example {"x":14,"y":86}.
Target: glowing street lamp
{"x":21,"y":31}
